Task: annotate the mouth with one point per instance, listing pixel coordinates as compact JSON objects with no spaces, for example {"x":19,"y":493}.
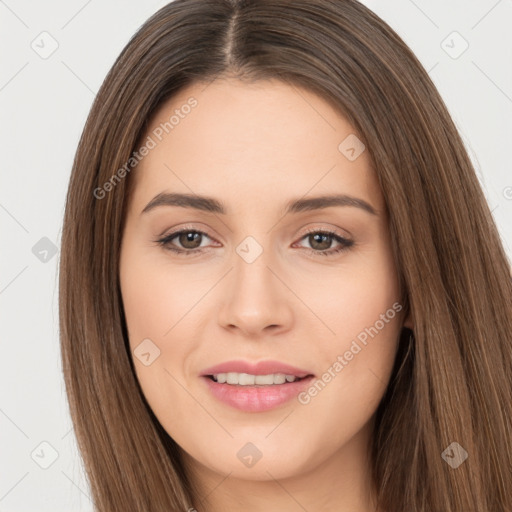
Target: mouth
{"x":255,"y":386}
{"x":247,"y":379}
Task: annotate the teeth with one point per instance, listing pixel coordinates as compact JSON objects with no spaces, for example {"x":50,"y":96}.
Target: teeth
{"x":232,"y":378}
{"x":245,"y":379}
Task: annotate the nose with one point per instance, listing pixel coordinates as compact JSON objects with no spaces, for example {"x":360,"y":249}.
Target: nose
{"x":256,"y":302}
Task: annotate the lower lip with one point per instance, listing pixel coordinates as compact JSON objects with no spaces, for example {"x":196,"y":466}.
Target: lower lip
{"x":256,"y":398}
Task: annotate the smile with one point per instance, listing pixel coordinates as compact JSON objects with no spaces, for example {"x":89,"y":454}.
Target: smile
{"x":246,"y":379}
{"x":255,"y":386}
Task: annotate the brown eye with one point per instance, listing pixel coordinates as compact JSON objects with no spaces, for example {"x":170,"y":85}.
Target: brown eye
{"x":189,"y":239}
{"x":185,"y":241}
{"x":320,"y":242}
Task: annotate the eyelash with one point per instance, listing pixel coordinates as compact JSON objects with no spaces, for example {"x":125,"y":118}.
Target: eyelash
{"x":345,"y":243}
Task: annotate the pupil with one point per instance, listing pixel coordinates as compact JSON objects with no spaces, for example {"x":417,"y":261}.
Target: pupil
{"x":325,"y":244}
{"x":189,"y":237}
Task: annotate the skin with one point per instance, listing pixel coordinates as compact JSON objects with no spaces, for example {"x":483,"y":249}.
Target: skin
{"x":254,"y":147}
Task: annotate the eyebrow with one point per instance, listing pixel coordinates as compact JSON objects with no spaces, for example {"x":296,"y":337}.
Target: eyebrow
{"x":211,"y":205}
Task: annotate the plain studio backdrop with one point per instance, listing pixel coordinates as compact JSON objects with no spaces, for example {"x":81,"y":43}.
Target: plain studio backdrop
{"x":55,"y":56}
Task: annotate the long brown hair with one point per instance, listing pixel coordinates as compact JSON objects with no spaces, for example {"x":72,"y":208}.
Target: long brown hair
{"x":452,"y":380}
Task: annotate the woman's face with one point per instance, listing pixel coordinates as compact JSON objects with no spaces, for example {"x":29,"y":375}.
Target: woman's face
{"x":258,"y":280}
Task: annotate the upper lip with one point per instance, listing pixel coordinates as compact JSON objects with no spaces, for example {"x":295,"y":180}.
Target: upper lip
{"x":260,"y":368}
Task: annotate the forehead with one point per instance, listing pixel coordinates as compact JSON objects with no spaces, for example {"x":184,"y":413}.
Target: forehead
{"x":238,"y":141}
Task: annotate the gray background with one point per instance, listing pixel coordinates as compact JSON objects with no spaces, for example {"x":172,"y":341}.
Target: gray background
{"x":44,"y":102}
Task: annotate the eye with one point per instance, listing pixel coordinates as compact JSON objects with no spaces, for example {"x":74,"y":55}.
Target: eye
{"x":321,"y":240}
{"x":190,"y":241}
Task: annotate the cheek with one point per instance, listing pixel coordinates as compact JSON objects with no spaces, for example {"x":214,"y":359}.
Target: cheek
{"x":355,"y":361}
{"x":153,"y":305}
{"x":353,"y":377}
{"x":353,"y":297}
{"x":154,"y":298}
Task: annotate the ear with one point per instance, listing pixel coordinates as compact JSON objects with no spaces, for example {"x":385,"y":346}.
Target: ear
{"x":408,"y":322}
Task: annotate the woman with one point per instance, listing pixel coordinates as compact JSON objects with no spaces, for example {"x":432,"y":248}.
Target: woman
{"x":281,"y":287}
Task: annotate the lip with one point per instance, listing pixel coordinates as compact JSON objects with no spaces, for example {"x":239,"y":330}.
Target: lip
{"x":260,"y":368}
{"x":257,"y":398}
